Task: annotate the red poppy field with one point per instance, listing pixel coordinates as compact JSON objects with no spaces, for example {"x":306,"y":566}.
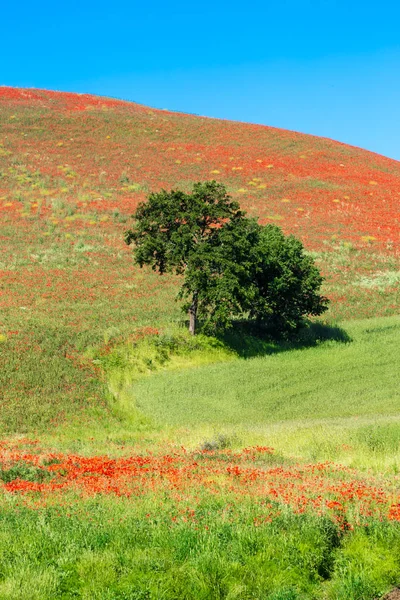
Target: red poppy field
{"x":111,"y":505}
{"x":323,"y":488}
{"x":194,"y":524}
{"x":74,"y":167}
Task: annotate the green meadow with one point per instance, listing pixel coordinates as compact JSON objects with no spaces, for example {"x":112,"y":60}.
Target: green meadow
{"x":140,"y":463}
{"x":334,"y":387}
{"x":330,"y":379}
{"x":107,"y":550}
{"x":332,"y":395}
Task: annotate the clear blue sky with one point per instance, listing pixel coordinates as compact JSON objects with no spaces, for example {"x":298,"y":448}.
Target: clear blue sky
{"x":326,"y":67}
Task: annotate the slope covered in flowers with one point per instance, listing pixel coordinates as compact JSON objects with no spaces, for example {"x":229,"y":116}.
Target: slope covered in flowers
{"x":72,"y":170}
{"x":312,"y":186}
{"x":123,"y":510}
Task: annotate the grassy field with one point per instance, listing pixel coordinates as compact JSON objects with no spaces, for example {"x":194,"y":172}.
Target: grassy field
{"x":242,"y":468}
{"x":138,"y":463}
{"x":331,"y":379}
{"x":123,"y":550}
{"x":73,"y":169}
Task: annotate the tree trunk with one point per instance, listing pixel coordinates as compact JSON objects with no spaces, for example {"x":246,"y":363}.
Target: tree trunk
{"x":193,"y":314}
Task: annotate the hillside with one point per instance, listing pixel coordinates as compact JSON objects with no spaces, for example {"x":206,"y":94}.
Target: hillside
{"x":142,"y":466}
{"x":73,"y":168}
{"x":314,"y":186}
{"x":76,"y":165}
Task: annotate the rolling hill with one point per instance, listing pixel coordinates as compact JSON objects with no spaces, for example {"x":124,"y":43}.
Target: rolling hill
{"x":72,"y":170}
{"x":251,"y":469}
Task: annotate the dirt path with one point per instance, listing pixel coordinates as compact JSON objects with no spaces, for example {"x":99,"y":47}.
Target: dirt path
{"x":393,"y":595}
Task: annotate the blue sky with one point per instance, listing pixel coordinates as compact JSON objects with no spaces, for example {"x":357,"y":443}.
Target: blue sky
{"x":326,"y":67}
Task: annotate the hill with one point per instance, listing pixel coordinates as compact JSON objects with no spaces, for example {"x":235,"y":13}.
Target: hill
{"x":74,"y":167}
{"x":216,"y":481}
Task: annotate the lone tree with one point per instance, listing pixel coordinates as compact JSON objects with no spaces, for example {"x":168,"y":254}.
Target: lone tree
{"x":231,"y":265}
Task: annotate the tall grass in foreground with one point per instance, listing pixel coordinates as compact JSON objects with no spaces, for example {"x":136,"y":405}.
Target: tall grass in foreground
{"x":110,"y":549}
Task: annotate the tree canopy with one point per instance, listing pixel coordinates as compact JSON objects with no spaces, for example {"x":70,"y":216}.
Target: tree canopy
{"x":231,"y":265}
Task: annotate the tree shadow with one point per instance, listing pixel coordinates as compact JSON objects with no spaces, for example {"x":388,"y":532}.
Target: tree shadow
{"x":249,"y":339}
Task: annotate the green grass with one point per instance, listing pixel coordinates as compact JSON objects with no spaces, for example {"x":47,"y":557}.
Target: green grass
{"x":316,"y":399}
{"x":108,"y":550}
{"x":333,"y":400}
{"x":331,"y":380}
{"x":312,"y":400}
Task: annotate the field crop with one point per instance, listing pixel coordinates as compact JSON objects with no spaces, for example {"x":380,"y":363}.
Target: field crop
{"x":271,"y":473}
{"x":284,"y":384}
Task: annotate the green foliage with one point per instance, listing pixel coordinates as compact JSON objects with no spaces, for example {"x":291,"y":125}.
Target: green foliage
{"x":380,"y":438}
{"x":118,"y":550}
{"x":286,"y":281}
{"x":121,"y":550}
{"x":232,"y":266}
{"x":247,"y":269}
{"x":163,"y":351}
{"x":367,"y":563}
{"x":170,"y":225}
{"x":219,"y":272}
{"x":21,"y":470}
